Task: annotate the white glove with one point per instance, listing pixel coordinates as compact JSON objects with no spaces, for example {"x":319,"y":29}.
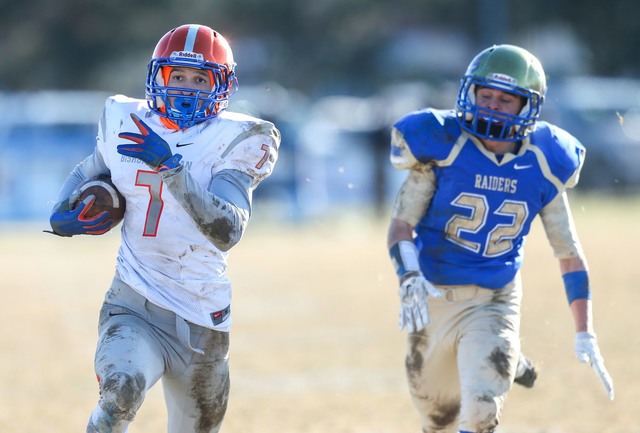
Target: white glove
{"x":413,"y":301}
{"x":587,"y":351}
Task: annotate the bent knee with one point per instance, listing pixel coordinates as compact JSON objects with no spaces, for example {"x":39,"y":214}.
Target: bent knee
{"x":121,"y":394}
{"x":480,"y":413}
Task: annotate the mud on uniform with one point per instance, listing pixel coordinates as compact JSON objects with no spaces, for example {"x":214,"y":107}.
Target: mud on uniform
{"x":167,"y":313}
{"x":471,"y":210}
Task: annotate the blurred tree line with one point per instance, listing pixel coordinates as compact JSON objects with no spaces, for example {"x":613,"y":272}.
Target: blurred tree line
{"x":315,"y":46}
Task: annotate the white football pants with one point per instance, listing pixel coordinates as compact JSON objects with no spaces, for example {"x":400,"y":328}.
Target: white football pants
{"x":140,"y":343}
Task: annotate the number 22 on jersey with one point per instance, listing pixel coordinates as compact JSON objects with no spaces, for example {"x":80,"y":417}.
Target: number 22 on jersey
{"x":500,"y":238}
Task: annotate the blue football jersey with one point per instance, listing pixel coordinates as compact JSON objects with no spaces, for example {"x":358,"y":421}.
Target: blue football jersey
{"x":474,"y":229}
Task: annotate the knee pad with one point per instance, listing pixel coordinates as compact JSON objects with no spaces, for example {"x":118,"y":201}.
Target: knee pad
{"x":480,"y":413}
{"x":121,"y":394}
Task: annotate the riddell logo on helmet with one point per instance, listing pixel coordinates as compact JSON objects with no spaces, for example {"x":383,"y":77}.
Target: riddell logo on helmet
{"x":502,"y":78}
{"x":186,"y":55}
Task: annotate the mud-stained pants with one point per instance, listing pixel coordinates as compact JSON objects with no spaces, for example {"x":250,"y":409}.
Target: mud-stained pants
{"x":140,"y":343}
{"x":461,"y":366}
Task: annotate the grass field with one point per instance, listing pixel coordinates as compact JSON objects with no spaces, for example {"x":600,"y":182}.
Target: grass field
{"x":315,"y":345}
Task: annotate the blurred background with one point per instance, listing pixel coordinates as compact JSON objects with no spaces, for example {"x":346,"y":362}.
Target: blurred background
{"x":333,"y":75}
{"x":316,"y":332}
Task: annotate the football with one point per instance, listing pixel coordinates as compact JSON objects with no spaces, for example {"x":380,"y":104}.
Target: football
{"x":108,"y":198}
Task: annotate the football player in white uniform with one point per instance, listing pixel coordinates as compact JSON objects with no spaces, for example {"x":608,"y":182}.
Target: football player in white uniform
{"x":187,"y":169}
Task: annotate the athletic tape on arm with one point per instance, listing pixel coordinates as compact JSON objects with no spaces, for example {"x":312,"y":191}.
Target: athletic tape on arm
{"x":404,"y":256}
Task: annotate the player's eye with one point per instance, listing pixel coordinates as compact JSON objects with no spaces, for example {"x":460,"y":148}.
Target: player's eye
{"x":176,"y":79}
{"x":203,"y":80}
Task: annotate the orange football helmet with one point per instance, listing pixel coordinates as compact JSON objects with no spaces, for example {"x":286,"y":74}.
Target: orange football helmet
{"x":192,"y":46}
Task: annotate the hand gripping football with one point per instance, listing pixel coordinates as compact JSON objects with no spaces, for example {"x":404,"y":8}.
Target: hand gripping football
{"x":108,"y":198}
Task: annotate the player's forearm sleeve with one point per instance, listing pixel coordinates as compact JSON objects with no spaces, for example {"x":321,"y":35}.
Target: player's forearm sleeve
{"x":560,"y":229}
{"x":414,"y":196}
{"x":222,"y":212}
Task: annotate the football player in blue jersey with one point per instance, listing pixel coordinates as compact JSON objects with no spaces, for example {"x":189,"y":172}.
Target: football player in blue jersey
{"x":478,"y":176}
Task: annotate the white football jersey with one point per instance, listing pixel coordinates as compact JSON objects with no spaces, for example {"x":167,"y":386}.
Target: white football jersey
{"x":163,"y":255}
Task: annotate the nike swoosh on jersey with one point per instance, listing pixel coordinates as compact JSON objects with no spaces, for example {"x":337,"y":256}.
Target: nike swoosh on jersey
{"x":522,"y":167}
{"x":183,"y":144}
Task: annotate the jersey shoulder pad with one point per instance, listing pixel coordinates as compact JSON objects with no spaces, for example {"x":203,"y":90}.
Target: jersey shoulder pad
{"x":118,"y":107}
{"x":253,"y":145}
{"x":428,"y":134}
{"x":563,"y":152}
{"x":121,"y":105}
{"x":123,"y":99}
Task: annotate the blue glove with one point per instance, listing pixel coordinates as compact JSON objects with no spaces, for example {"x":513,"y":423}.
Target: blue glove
{"x":150,"y":148}
{"x":68,"y":222}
